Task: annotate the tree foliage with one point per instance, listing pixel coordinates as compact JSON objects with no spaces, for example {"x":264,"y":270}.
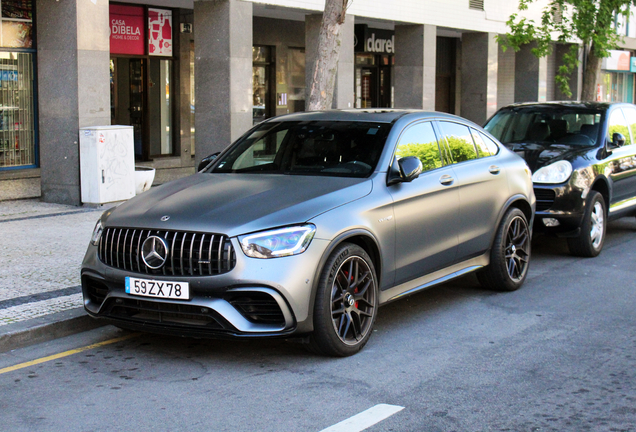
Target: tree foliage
{"x":570,"y":21}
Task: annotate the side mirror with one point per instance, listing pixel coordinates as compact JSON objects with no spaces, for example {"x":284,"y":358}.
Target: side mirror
{"x":206,"y":161}
{"x":408,"y":169}
{"x":618,"y":140}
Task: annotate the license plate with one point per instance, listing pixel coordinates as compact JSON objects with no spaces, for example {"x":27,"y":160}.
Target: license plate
{"x":158,"y":288}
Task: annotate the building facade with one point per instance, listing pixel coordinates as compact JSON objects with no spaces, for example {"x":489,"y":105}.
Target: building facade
{"x":191,"y":76}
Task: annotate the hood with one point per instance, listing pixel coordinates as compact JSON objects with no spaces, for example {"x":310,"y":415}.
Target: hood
{"x":538,"y":155}
{"x":235,"y":204}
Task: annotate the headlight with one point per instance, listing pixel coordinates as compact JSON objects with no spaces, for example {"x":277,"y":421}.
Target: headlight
{"x":557,"y":172}
{"x":278,"y":243}
{"x":97,"y":233}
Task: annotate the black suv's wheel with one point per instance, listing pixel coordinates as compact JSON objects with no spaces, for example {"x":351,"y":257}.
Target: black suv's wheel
{"x":510,"y":254}
{"x":346,"y":303}
{"x":590,"y":242}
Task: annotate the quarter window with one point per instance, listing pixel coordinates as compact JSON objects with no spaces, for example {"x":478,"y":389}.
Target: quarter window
{"x":420,"y":141}
{"x":460,"y":141}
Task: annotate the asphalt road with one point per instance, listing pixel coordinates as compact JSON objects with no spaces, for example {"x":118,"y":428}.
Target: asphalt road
{"x":557,"y":355}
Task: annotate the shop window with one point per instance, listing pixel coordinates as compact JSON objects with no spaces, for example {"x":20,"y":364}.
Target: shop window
{"x":17,"y":23}
{"x":17,"y":137}
{"x":17,"y":115}
{"x":262,"y":81}
{"x":296,"y":92}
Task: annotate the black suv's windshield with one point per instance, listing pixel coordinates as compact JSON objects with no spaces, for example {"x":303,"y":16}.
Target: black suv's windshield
{"x":335,"y":148}
{"x":544,"y":124}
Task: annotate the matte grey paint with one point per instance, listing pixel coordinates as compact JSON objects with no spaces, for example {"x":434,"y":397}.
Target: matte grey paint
{"x":423,"y":230}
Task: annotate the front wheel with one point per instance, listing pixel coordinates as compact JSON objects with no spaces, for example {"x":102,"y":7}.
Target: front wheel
{"x":346,"y":303}
{"x":590,"y":242}
{"x":510,"y":254}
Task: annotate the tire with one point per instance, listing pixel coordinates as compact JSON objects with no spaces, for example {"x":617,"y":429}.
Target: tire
{"x":590,"y":242}
{"x":509,"y":255}
{"x":346,"y":305}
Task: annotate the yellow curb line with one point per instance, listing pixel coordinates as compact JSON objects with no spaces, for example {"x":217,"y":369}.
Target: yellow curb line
{"x":66,"y":353}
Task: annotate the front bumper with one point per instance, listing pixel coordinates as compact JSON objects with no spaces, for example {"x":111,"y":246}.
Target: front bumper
{"x":563,"y":203}
{"x":258,"y":297}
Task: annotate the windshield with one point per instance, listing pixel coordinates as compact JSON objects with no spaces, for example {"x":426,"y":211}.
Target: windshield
{"x":329,"y":148}
{"x":560,"y":125}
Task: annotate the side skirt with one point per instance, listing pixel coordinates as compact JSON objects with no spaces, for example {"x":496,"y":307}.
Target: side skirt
{"x":433,"y":279}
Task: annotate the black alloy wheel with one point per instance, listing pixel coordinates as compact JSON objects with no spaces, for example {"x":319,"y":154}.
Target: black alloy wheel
{"x":346,"y":303}
{"x":510,"y":254}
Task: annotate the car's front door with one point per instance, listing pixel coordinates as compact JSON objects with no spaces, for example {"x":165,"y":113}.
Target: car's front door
{"x":426,"y":209}
{"x":623,"y":159}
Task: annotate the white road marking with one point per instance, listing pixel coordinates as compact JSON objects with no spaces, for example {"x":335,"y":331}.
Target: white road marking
{"x":365,"y":419}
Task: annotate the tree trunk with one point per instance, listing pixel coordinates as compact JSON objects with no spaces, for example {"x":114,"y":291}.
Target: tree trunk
{"x":590,"y":75}
{"x":326,"y":64}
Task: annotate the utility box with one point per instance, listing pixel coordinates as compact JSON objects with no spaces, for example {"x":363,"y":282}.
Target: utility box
{"x":107,"y":164}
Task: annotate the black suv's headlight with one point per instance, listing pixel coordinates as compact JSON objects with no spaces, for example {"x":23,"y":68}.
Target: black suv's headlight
{"x":278,"y":242}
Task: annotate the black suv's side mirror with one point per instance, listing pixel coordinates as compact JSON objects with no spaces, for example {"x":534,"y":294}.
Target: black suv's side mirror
{"x":618,"y":140}
{"x":408,"y":169}
{"x":206,"y":160}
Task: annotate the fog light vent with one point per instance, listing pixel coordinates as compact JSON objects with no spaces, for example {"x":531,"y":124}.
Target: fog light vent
{"x":551,"y":222}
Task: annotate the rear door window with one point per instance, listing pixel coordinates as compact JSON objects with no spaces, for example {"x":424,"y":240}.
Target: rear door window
{"x":459,"y":141}
{"x":485,"y":146}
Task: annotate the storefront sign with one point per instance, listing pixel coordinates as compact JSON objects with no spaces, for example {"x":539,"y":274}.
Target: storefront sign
{"x":617,"y":61}
{"x":126,"y":30}
{"x":633,"y":65}
{"x":159,"y":32}
{"x":374,"y":40}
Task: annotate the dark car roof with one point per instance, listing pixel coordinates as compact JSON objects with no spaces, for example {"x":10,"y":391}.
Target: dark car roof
{"x":567,"y":104}
{"x":379,"y":115}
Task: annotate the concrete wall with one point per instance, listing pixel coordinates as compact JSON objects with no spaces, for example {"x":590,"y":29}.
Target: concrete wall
{"x":73,"y":85}
{"x":506,"y":77}
{"x":480,"y":53}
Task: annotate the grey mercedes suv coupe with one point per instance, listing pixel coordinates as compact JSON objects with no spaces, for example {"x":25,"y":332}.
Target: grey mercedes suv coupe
{"x":308,"y":223}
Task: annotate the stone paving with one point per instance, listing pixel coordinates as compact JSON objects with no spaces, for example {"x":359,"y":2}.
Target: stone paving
{"x":29,"y":311}
{"x":41,"y":250}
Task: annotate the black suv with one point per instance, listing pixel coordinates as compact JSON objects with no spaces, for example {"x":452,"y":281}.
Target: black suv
{"x":583,"y":159}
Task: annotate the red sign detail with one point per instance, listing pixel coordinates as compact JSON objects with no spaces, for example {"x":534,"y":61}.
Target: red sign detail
{"x":160,"y":32}
{"x":127,"y":30}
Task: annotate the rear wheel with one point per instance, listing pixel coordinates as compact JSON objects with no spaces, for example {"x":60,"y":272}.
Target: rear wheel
{"x":346,"y":303}
{"x":590,"y":242}
{"x":510,"y":254}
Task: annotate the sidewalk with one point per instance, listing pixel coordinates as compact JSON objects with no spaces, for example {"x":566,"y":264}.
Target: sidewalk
{"x":41,"y":250}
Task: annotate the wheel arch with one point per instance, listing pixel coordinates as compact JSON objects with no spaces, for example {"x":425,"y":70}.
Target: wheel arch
{"x":359,"y":237}
{"x":601,"y":185}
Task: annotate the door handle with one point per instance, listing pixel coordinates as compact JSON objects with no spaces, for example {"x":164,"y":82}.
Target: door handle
{"x":494,"y":169}
{"x":446,"y":180}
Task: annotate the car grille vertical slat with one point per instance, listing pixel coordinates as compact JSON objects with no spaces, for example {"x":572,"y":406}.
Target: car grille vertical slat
{"x":112,"y":240}
{"x":201,"y":255}
{"x":174,"y":242}
{"x":210,"y":255}
{"x":194,"y":237}
{"x":132,"y":242}
{"x":183,"y":239}
{"x":198,"y":254}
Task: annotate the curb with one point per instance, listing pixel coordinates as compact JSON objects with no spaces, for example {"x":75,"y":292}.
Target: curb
{"x":46,"y":328}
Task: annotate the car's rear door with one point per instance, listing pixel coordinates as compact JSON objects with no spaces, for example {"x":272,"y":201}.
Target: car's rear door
{"x":426,"y":209}
{"x":482,"y":184}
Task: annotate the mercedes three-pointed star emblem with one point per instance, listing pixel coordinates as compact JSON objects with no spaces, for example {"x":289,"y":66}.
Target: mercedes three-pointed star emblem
{"x":154,"y":252}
